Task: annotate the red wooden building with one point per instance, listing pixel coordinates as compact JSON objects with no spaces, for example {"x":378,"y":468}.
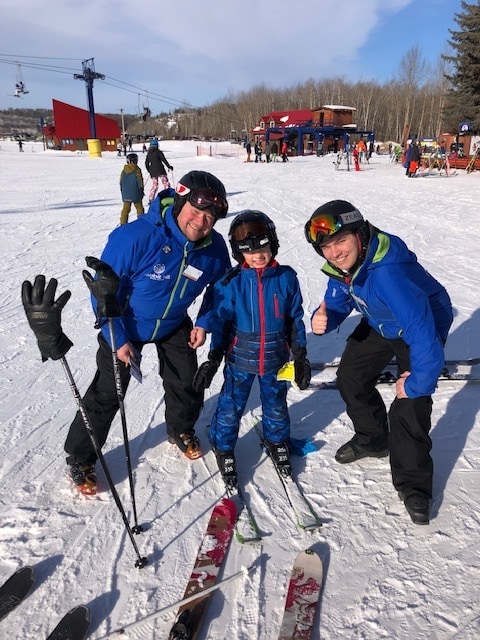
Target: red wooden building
{"x":71,"y":129}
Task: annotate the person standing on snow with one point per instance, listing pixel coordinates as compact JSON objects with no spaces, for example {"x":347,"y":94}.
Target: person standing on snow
{"x":406,"y":314}
{"x":131,"y":187}
{"x":258,"y":320}
{"x":155,"y":163}
{"x":164,"y":260}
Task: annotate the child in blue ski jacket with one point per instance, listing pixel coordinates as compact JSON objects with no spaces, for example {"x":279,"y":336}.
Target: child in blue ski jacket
{"x":131,"y":187}
{"x":406,"y":314}
{"x":258,"y":322}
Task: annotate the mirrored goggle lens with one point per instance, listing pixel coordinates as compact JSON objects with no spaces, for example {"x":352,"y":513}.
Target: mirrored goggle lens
{"x":252,"y":228}
{"x":251,"y":243}
{"x":323,"y":226}
{"x":206,"y":199}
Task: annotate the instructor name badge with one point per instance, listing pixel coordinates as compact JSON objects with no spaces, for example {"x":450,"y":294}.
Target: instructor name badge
{"x":192,"y":273}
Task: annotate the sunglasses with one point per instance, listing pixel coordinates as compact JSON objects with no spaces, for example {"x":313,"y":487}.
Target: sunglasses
{"x":206,"y":199}
{"x":327,"y":224}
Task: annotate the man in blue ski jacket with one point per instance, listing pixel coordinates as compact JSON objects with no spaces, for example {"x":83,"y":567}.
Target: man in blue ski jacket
{"x":258,"y":322}
{"x":406,"y":314}
{"x":164,"y":260}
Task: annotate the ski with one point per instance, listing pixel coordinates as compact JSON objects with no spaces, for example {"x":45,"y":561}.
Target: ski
{"x":386,"y":377}
{"x":467,"y":362}
{"x":305,"y":516}
{"x":16,"y":589}
{"x":246,"y":528}
{"x":245,"y":571}
{"x":302,"y":597}
{"x":208,"y":563}
{"x":73,"y":626}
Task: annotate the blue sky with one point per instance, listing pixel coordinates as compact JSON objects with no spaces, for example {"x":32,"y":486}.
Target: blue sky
{"x":165,"y":54}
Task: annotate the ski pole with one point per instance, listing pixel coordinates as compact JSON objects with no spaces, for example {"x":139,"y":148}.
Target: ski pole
{"x":141,"y":561}
{"x":244,"y":571}
{"x":118,"y":384}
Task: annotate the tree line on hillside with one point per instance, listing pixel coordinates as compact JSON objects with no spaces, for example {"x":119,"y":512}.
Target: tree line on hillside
{"x":427,"y":100}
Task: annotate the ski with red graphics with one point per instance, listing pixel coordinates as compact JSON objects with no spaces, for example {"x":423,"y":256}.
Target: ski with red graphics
{"x":209,"y":561}
{"x":303,"y":595}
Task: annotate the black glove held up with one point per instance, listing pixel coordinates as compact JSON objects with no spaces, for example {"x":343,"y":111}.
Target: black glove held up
{"x":303,"y":372}
{"x":104,"y":288}
{"x":206,"y":371}
{"x":44,"y":316}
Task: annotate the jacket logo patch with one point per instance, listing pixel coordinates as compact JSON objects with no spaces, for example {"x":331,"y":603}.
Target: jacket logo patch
{"x":158,"y":273}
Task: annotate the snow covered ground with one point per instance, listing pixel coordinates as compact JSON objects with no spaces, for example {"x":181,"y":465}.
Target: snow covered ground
{"x":384,"y":576}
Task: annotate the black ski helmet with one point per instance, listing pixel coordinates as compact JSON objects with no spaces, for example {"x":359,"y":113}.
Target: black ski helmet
{"x":251,"y":230}
{"x":331,"y":219}
{"x":203,"y":190}
{"x":132,"y":158}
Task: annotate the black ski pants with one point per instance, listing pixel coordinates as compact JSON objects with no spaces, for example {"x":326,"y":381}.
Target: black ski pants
{"x":405,"y":429}
{"x":177,"y":366}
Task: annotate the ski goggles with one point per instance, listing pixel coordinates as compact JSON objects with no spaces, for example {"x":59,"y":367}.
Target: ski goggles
{"x":205,"y":199}
{"x":249,"y":237}
{"x":325,"y":225}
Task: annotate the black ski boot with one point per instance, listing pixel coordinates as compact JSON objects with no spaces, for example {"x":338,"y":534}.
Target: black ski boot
{"x":280,"y":455}
{"x":228,"y":469}
{"x":84,"y":477}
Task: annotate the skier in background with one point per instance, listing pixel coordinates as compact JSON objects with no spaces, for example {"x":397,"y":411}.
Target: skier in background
{"x":258,"y":320}
{"x":131,"y":187}
{"x":406,"y":314}
{"x":155,"y":163}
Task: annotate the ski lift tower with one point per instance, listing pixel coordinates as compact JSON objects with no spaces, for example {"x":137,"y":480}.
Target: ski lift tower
{"x":89,"y":75}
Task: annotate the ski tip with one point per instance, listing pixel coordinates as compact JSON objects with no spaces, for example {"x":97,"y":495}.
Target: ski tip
{"x":75,"y":624}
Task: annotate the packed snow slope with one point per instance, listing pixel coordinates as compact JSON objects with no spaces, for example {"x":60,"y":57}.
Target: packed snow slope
{"x":384,"y":577}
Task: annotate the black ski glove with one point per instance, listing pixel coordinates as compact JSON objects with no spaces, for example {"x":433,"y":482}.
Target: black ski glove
{"x":205,"y":372}
{"x":104,"y":289}
{"x":44,"y":316}
{"x":303,"y":370}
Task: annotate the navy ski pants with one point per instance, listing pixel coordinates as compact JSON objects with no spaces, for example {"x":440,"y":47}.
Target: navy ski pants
{"x":232,"y":402}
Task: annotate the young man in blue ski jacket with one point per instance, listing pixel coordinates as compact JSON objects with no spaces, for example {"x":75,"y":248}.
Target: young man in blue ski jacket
{"x":258,"y":322}
{"x":165,"y":260}
{"x":406,"y":314}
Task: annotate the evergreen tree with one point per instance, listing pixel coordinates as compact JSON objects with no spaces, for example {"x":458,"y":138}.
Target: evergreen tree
{"x":463,"y":98}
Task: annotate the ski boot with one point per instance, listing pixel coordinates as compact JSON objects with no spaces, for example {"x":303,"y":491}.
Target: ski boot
{"x":280,"y":454}
{"x":228,"y":469}
{"x":84,"y":478}
{"x":189,"y":444}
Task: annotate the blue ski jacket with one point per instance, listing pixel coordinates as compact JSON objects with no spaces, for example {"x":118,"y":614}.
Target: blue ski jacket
{"x":258,"y":317}
{"x":400,"y":300}
{"x":161,"y":273}
{"x":131,"y":183}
